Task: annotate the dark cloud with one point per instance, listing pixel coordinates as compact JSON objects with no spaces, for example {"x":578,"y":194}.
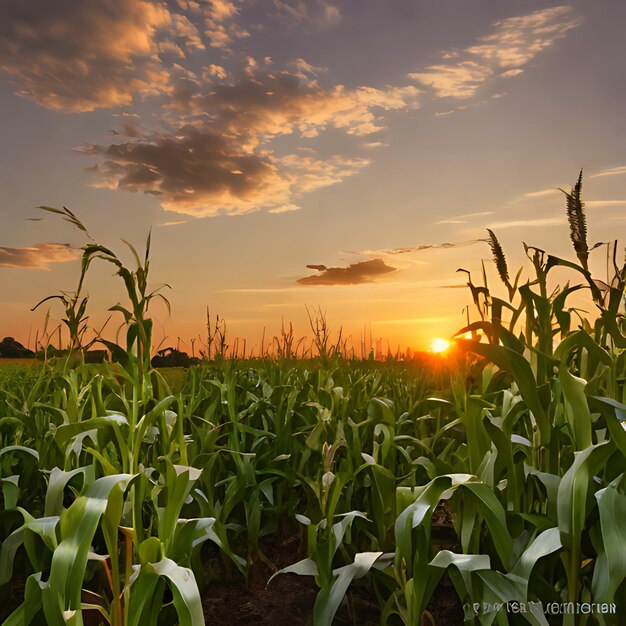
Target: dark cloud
{"x":200,"y":172}
{"x":39,"y":256}
{"x":195,"y":172}
{"x":354,"y":274}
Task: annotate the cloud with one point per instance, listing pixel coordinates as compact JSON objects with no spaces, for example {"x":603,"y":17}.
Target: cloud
{"x":282,"y":103}
{"x":222,"y":10}
{"x":173,"y":223}
{"x":542,"y":193}
{"x":210,"y":154}
{"x":462,"y":80}
{"x":546,"y":221}
{"x":220,"y":29}
{"x":353,"y":274}
{"x":512,"y":44}
{"x":613,"y":171}
{"x":194,"y":172}
{"x":421,"y":248}
{"x":39,"y":256}
{"x":511,"y":73}
{"x":79,"y":56}
{"x":462,"y":219}
{"x":202,"y":173}
{"x":216,"y":71}
{"x":309,"y":13}
{"x":591,"y":204}
{"x":285,"y":208}
{"x":310,"y":173}
{"x":218,"y":159}
{"x":371,"y":145}
{"x":601,"y":204}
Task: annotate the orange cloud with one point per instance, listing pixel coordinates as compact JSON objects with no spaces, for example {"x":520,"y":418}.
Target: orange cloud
{"x":269,"y":104}
{"x":222,"y":10}
{"x":39,"y":256}
{"x":79,"y":56}
{"x":514,"y":43}
{"x":462,"y":80}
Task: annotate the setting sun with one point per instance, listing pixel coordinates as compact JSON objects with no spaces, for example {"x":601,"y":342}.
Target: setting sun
{"x":439,"y":345}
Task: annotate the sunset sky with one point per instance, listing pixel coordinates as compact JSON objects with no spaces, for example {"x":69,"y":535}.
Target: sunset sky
{"x":342,"y":154}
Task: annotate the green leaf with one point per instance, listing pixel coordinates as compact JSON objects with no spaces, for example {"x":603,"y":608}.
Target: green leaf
{"x":184,"y":588}
{"x":610,"y":569}
{"x":573,"y":490}
{"x":577,"y":410}
{"x":78,"y":527}
{"x":514,"y":363}
{"x":328,"y":600}
{"x":56,"y":485}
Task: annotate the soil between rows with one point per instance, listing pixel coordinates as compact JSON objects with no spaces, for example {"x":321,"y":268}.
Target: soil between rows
{"x":288,"y":600}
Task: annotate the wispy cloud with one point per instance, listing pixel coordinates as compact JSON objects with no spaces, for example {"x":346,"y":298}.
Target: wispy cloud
{"x":39,"y":256}
{"x":542,"y":193}
{"x":612,"y":171}
{"x":512,"y":73}
{"x":421,"y":248}
{"x":513,"y":44}
{"x":461,"y":80}
{"x":544,"y":221}
{"x":601,"y":204}
{"x":462,"y":219}
{"x":353,"y":274}
{"x":173,"y":223}
{"x":309,"y":13}
{"x":538,"y":195}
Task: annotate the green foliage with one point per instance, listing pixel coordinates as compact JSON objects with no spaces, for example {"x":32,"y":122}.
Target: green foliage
{"x":116,"y":484}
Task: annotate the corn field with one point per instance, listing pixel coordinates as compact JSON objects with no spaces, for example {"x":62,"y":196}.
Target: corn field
{"x":118,"y":490}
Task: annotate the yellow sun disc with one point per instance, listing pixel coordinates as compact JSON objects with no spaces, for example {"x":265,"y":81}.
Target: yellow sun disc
{"x":439,"y":345}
